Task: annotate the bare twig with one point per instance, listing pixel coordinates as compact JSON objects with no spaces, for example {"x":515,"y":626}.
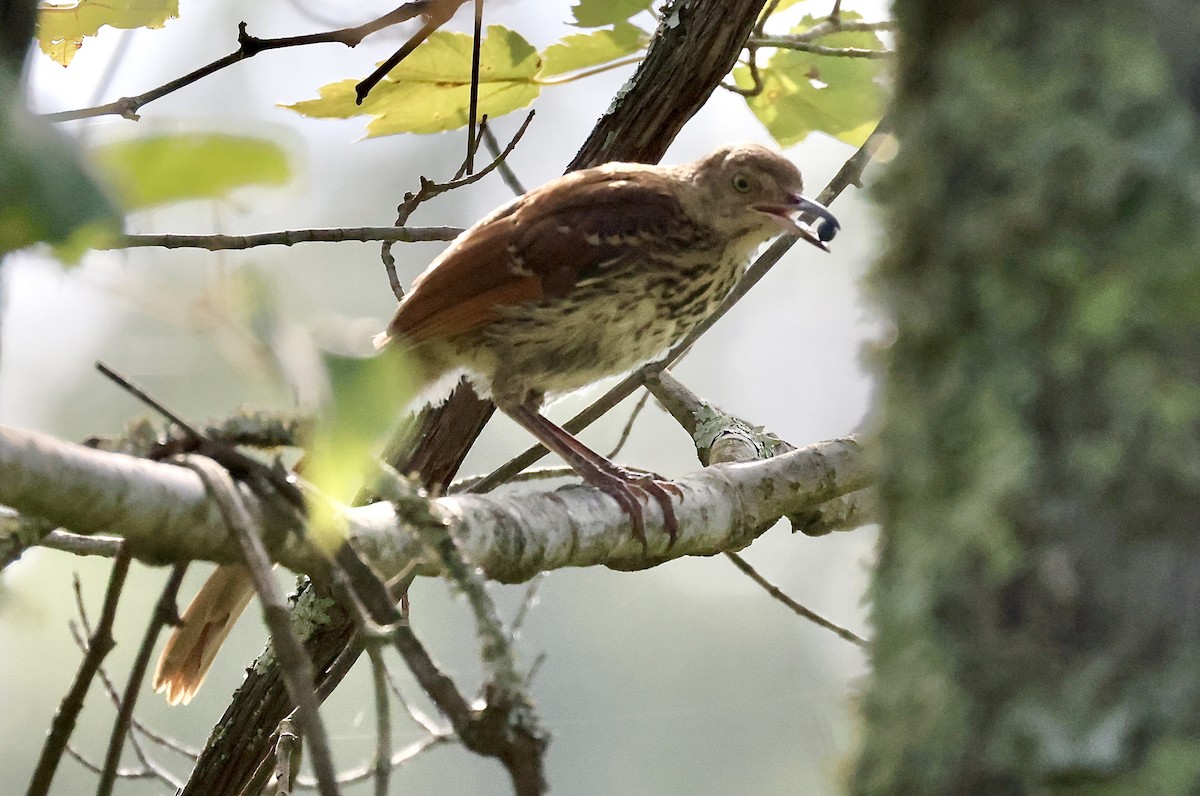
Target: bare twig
{"x":429,"y":189}
{"x":805,"y":41}
{"x":100,"y":644}
{"x":287,"y":752}
{"x":719,"y":436}
{"x":77,"y":634}
{"x":505,"y":170}
{"x":297,"y":668}
{"x":792,"y":43}
{"x":397,"y":759}
{"x":436,"y":14}
{"x":164,"y":612}
{"x":248,"y":47}
{"x":628,"y":429}
{"x":775,"y":592}
{"x":125,"y":773}
{"x":473,"y":113}
{"x":287,"y":237}
{"x":106,"y":546}
{"x":527,"y":605}
{"x":383,"y":721}
{"x":419,"y":717}
{"x":506,"y":727}
{"x":148,"y":400}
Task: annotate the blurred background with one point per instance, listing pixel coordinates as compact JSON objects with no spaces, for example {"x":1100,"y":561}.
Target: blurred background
{"x":684,"y":679}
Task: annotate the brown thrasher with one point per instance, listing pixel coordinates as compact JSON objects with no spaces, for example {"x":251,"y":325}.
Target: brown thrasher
{"x":588,"y":276}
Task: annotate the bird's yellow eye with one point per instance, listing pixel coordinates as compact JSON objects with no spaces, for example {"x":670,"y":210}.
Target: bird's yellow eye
{"x":741,"y":183}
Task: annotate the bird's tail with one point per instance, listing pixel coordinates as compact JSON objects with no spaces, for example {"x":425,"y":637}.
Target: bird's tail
{"x":193,"y":645}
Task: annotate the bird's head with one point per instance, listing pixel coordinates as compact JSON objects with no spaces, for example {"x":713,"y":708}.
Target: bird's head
{"x":759,"y":193}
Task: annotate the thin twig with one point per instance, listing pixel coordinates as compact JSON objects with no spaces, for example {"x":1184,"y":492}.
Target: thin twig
{"x":468,"y":162}
{"x":100,"y":643}
{"x":149,"y":401}
{"x":527,"y":605}
{"x":468,"y":483}
{"x":294,"y":662}
{"x":419,"y":717}
{"x":505,"y":170}
{"x":287,"y":237}
{"x":473,"y":113}
{"x":114,"y":696}
{"x":398,"y":759}
{"x":163,"y":612}
{"x":778,"y":594}
{"x":628,"y":429}
{"x":429,"y":189}
{"x":383,"y":721}
{"x":78,"y":545}
{"x":436,"y":14}
{"x":124,"y":773}
{"x":506,"y":727}
{"x":791,"y":43}
{"x":248,"y":47}
{"x":287,"y":754}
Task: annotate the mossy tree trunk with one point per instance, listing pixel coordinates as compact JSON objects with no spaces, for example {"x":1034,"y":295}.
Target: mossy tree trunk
{"x":1037,"y":602}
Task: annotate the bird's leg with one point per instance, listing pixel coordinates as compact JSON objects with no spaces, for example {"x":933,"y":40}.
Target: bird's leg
{"x":625,"y":487}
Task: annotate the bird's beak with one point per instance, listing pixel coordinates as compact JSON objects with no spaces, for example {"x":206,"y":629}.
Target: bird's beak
{"x":818,"y":232}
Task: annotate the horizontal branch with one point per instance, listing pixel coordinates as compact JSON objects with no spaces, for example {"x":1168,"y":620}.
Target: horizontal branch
{"x":795,"y":43}
{"x":286,"y":237}
{"x":163,"y":512}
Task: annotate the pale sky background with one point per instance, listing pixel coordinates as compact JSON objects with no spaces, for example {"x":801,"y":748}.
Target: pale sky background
{"x":683,"y":679}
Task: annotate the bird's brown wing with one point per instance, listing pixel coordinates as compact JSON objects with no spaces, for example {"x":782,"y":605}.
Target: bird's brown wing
{"x":539,"y":247}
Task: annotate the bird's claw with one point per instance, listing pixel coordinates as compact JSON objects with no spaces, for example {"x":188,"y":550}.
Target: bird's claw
{"x":630,"y":489}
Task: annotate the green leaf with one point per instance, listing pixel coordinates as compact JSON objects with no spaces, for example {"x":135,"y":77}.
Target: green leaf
{"x":45,"y":194}
{"x":581,"y":50}
{"x":597,"y":13}
{"x":62,"y":27}
{"x":366,"y":395}
{"x":430,"y":90}
{"x":804,"y":92}
{"x":160,"y":169}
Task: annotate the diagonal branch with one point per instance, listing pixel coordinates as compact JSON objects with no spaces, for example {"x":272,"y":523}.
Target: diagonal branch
{"x":248,"y":47}
{"x":99,"y":645}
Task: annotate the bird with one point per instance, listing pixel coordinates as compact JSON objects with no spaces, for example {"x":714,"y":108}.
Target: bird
{"x":590,"y":275}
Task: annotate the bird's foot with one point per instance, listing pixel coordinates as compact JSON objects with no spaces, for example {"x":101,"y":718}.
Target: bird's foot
{"x":630,"y":488}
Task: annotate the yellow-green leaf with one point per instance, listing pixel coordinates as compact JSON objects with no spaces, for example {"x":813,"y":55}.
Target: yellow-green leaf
{"x":597,"y":13}
{"x":62,"y":26}
{"x":804,"y":92}
{"x":430,"y":90}
{"x":366,"y":395}
{"x":175,"y":167}
{"x":581,"y":50}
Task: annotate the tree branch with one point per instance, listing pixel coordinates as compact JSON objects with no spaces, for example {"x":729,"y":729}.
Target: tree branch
{"x":164,"y":513}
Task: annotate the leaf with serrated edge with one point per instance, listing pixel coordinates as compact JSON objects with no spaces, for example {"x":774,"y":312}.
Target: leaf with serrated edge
{"x":430,"y":90}
{"x":62,"y":27}
{"x":805,"y":92}
{"x":581,"y":50}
